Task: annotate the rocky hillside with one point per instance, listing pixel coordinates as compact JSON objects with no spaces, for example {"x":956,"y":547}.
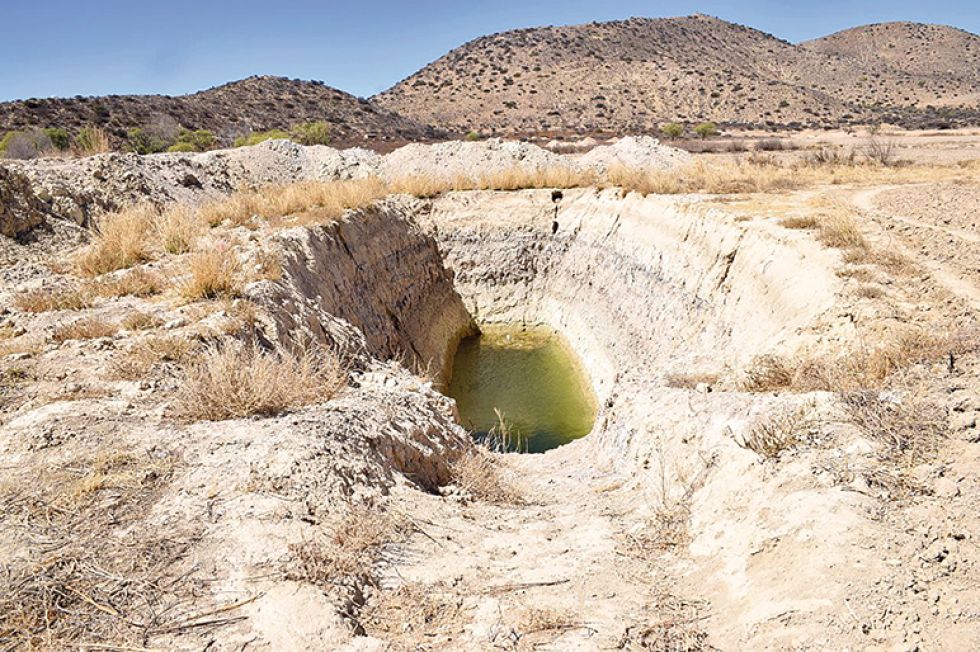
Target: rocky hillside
{"x":930,"y":51}
{"x":253,"y":104}
{"x":632,"y":75}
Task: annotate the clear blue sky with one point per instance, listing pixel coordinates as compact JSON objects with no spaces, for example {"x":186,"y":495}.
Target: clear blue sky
{"x":97,"y":47}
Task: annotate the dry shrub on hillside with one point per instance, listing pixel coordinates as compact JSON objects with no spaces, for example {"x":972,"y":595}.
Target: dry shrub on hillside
{"x":478,"y":474}
{"x":138,"y":283}
{"x":87,"y":328}
{"x":140,"y":359}
{"x":213,"y":273}
{"x":120,"y":241}
{"x":177,"y":229}
{"x":781,"y":431}
{"x":864,"y":366}
{"x":84,"y":574}
{"x":351,"y":548}
{"x":138,"y":320}
{"x":231,"y":383}
{"x":414,"y":612}
{"x":51,"y":300}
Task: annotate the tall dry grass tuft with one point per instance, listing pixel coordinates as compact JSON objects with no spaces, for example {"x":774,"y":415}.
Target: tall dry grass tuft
{"x":177,"y":228}
{"x":231,"y":383}
{"x":120,"y":241}
{"x":92,"y":140}
{"x":478,"y":474}
{"x":51,"y":300}
{"x":518,"y":178}
{"x":87,"y":328}
{"x":213,"y":273}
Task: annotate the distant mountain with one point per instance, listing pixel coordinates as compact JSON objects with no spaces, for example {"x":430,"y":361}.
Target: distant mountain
{"x":253,"y":104}
{"x":635,"y":74}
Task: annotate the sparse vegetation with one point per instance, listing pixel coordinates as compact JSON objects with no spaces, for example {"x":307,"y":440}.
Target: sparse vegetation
{"x":235,"y":382}
{"x":311,"y":133}
{"x":214,"y":272}
{"x":706,"y":130}
{"x":86,"y":328}
{"x":53,"y":299}
{"x":91,"y":140}
{"x":781,"y":431}
{"x":178,"y":227}
{"x":257,"y":137}
{"x":672,"y":130}
{"x":199,"y":140}
{"x":477,"y":473}
{"x":119,"y":242}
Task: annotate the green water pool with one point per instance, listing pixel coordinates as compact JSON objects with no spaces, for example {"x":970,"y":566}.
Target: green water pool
{"x":527,"y":377}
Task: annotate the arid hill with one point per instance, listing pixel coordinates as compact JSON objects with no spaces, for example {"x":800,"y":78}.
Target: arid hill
{"x":632,"y":75}
{"x":253,"y":104}
{"x":931,"y":51}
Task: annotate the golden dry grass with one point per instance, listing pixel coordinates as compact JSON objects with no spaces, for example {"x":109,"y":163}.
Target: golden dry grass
{"x":350,"y":549}
{"x":232,"y":383}
{"x":414,"y":612}
{"x":140,"y":360}
{"x":138,"y":320}
{"x":87,"y":328}
{"x":212,"y":273}
{"x":137,"y":282}
{"x":478,"y":474}
{"x":177,"y":229}
{"x":51,"y":300}
{"x":120,"y":241}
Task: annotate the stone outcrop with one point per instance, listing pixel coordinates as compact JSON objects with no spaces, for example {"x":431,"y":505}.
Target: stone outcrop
{"x":20,"y":208}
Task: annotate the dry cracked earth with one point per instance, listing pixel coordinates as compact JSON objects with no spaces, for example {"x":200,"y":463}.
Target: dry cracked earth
{"x":233,"y":437}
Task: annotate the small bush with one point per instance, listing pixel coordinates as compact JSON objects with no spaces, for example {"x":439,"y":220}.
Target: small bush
{"x":59,"y":137}
{"x":136,"y":283}
{"x":214,"y":273}
{"x":120,"y":241}
{"x":770,"y":145}
{"x":232,"y":383}
{"x":199,"y":140}
{"x":311,"y":133}
{"x":87,"y":328}
{"x":139,"y":361}
{"x":92,"y":140}
{"x":143,"y":141}
{"x":257,"y":137}
{"x":706,"y":130}
{"x":178,"y":228}
{"x":25,"y":144}
{"x":140,"y":321}
{"x":50,"y":300}
{"x":672,"y":130}
{"x":472,"y":136}
{"x":780,"y":432}
{"x":477,"y":473}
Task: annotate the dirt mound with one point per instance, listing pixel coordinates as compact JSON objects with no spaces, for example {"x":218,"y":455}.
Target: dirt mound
{"x":641,"y":152}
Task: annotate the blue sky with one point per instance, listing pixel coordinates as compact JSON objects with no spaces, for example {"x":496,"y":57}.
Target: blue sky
{"x":97,"y":47}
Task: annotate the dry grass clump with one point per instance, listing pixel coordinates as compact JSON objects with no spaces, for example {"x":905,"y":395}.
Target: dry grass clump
{"x":519,"y":178}
{"x":677,"y":628}
{"x":477,"y":473}
{"x":138,"y":283}
{"x":140,"y":360}
{"x":138,"y":320}
{"x":120,"y":241}
{"x":781,"y":431}
{"x":666,"y":530}
{"x":232,"y":383}
{"x":178,"y":228}
{"x":313,"y":202}
{"x":213,"y":273}
{"x":691,"y":380}
{"x":87,"y":328}
{"x":50,"y":300}
{"x":864,"y":366}
{"x":350,"y":550}
{"x":83,"y":575}
{"x":414,"y":612}
{"x":426,"y":186}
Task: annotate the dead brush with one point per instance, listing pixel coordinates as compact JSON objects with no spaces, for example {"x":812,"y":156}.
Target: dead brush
{"x":37,"y":301}
{"x":232,"y":382}
{"x":676,"y":628}
{"x":87,"y":328}
{"x":137,"y":282}
{"x":781,"y":431}
{"x":120,"y":241}
{"x":477,"y":473}
{"x":138,"y":320}
{"x":141,"y":359}
{"x":350,"y":550}
{"x":83,"y":575}
{"x":414,"y":612}
{"x":178,"y":228}
{"x":213,"y":273}
{"x":690,"y":380}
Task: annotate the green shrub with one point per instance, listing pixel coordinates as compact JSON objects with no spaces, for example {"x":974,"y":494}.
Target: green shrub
{"x":706,"y":129}
{"x":257,"y":137}
{"x":473,"y":136}
{"x":194,"y":141}
{"x":59,"y":137}
{"x":311,"y":133}
{"x":92,"y":140}
{"x":672,"y":130}
{"x":143,"y":141}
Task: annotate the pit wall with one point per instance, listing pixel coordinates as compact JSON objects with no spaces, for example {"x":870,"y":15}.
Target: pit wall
{"x":372,"y":283}
{"x":640,"y":287}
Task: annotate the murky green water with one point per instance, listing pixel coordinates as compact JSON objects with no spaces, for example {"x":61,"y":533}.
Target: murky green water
{"x":531,"y":379}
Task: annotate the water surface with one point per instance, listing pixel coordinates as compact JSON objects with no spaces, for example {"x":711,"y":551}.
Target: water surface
{"x":531,"y":379}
